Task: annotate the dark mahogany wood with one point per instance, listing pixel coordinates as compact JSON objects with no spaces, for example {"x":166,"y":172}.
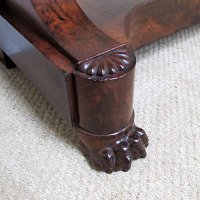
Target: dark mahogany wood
{"x":80,"y":55}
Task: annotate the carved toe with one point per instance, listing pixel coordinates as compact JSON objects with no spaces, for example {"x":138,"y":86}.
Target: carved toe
{"x":120,"y":150}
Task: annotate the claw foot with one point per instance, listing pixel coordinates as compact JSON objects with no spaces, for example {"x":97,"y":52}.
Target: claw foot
{"x":116,"y":152}
{"x":119,"y":155}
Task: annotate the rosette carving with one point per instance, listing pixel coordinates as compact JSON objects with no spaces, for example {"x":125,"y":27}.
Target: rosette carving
{"x":112,"y":62}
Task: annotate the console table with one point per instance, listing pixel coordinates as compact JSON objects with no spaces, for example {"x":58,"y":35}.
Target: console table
{"x":80,"y":55}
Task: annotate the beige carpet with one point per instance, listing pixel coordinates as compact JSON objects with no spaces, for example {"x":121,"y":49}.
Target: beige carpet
{"x":39,"y":158}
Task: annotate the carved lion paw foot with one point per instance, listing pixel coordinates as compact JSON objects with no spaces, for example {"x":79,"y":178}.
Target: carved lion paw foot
{"x":116,"y":152}
{"x":119,"y":156}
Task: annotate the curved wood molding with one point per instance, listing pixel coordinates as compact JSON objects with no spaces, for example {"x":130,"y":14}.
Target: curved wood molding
{"x":74,"y":33}
{"x":147,"y":21}
{"x":139,"y":22}
{"x":155,"y":19}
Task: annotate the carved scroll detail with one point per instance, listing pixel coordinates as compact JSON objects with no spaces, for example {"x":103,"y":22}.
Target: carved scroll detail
{"x":112,"y":62}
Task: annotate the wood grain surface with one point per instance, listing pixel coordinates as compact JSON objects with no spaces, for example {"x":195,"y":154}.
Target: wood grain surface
{"x":80,"y":55}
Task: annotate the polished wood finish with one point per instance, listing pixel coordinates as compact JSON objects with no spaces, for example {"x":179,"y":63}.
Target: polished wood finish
{"x":139,"y":22}
{"x":40,"y":69}
{"x":80,"y":55}
{"x":116,"y":151}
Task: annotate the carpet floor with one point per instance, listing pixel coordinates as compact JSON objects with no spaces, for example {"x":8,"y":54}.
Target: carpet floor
{"x":40,"y":155}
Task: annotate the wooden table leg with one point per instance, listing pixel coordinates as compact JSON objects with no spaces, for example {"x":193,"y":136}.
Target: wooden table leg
{"x":105,"y":111}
